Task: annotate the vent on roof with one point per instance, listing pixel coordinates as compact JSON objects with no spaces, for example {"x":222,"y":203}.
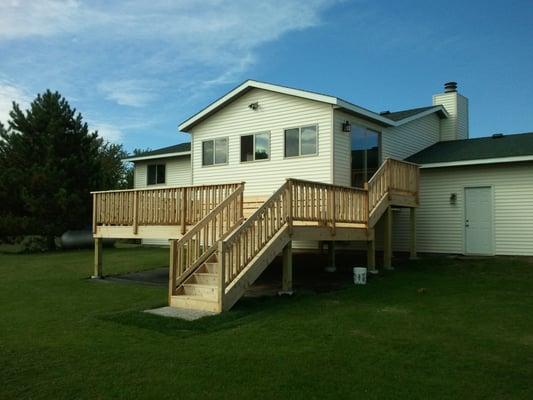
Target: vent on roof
{"x":450,"y":87}
{"x":497,"y":135}
{"x":384,"y":112}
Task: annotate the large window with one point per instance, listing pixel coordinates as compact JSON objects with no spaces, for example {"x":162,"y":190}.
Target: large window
{"x":156,"y":174}
{"x":365,"y":154}
{"x":255,"y":147}
{"x":301,"y":141}
{"x":215,"y":151}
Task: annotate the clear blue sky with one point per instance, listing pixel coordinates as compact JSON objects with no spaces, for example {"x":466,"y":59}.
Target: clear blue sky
{"x":137,"y":69}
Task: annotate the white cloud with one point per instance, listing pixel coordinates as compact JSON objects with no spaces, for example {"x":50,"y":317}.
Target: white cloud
{"x":109,"y":132}
{"x":10,"y":93}
{"x":215,"y":33}
{"x":131,"y":92}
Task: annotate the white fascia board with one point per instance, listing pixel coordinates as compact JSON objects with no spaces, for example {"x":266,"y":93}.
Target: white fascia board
{"x":156,"y":156}
{"x":478,"y":162}
{"x":362,"y":111}
{"x":423,"y":114}
{"x":284,"y":90}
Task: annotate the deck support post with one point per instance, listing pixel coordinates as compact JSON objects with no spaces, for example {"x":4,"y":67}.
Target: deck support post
{"x":387,"y":242}
{"x":412,"y":241}
{"x":97,"y":273}
{"x":331,"y":257}
{"x":171,"y":270}
{"x":286,"y":279}
{"x":371,"y":255}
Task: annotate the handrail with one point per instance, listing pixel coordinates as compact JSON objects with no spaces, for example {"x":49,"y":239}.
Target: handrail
{"x":200,"y":242}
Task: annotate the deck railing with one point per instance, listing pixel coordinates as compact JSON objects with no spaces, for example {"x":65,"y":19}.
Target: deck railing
{"x":393,"y":176}
{"x":201,"y":241}
{"x":159,"y":206}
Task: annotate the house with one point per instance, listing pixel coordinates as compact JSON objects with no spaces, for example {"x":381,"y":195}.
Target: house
{"x":269,"y":166}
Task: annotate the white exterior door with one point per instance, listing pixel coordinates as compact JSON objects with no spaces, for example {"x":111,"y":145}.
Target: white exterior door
{"x":478,"y":220}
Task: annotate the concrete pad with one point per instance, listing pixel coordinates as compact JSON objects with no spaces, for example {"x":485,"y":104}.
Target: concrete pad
{"x":181,"y":313}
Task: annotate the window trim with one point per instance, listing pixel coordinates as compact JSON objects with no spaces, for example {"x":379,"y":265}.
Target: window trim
{"x":253,"y":134}
{"x":214,"y":152}
{"x":300,"y":155}
{"x":148,"y":176}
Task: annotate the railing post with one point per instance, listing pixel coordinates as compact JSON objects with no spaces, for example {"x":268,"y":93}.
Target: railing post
{"x":94,"y":212}
{"x":289,"y":205}
{"x":183,"y":210}
{"x":135,"y":212}
{"x":172,"y":270}
{"x":367,"y":203}
{"x":221,"y":275}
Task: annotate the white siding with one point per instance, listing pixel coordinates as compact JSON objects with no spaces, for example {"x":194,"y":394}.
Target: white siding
{"x":440,"y":225}
{"x":456,"y":126}
{"x":178,"y":173}
{"x":342,"y":147}
{"x":403,"y":141}
{"x":276,"y":112}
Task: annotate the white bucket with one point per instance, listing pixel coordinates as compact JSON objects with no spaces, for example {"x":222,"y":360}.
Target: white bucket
{"x":359,"y":275}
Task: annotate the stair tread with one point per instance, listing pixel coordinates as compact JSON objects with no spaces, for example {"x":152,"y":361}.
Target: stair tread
{"x":195,"y":298}
{"x":200,"y":285}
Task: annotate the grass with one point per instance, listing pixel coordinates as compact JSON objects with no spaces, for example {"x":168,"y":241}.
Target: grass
{"x":469,"y":334}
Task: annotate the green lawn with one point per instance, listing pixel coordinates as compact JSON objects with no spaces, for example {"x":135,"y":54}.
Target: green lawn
{"x":469,"y":335}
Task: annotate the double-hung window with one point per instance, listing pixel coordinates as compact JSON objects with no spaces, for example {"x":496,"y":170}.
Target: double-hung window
{"x":156,"y":174}
{"x":255,"y":147}
{"x":301,"y":141}
{"x":215,"y":152}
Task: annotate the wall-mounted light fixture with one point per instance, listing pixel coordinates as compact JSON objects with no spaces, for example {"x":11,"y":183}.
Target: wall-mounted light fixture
{"x":346,"y":126}
{"x":453,"y":198}
{"x":254,"y":106}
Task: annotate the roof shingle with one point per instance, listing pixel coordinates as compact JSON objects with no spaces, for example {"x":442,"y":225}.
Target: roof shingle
{"x":516,"y":145}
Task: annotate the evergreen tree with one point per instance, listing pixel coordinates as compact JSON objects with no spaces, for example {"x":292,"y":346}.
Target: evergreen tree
{"x":49,"y":163}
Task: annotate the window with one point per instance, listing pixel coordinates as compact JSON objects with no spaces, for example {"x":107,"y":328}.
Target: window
{"x":365,"y":154}
{"x":215,"y":151}
{"x":301,"y":141}
{"x":255,"y":147}
{"x":156,"y":174}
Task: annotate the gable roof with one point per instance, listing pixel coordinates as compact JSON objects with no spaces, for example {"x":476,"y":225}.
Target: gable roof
{"x":484,"y":150}
{"x":336,"y":102}
{"x":412,"y":112}
{"x":181,"y":149}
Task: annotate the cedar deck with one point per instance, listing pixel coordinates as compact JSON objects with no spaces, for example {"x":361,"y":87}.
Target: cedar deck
{"x":220,"y":241}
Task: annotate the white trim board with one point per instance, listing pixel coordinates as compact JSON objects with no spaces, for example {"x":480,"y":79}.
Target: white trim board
{"x":155,"y":156}
{"x":334,"y":101}
{"x":478,"y":162}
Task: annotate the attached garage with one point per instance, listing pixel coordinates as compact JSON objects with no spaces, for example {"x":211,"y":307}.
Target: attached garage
{"x":476,"y":197}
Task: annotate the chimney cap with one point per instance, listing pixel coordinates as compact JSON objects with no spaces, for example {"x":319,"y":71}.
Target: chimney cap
{"x":450,"y":87}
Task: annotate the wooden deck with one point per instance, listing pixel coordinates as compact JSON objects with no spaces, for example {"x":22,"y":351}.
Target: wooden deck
{"x":220,"y":241}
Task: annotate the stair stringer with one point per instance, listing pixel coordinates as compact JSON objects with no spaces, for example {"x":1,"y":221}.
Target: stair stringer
{"x":378,"y":210}
{"x":255,"y":267}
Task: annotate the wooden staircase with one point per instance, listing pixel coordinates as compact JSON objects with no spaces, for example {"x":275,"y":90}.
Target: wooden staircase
{"x":214,"y":263}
